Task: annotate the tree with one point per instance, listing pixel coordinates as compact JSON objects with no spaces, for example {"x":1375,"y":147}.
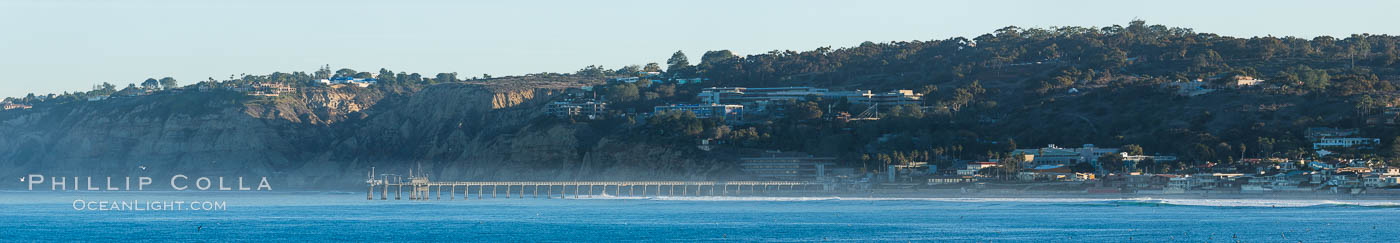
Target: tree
{"x":651,"y":67}
{"x":593,"y":71}
{"x":1132,"y":149}
{"x":1010,"y":166}
{"x":965,"y":95}
{"x":677,"y":61}
{"x":1201,"y":153}
{"x":1008,"y":146}
{"x":168,"y":83}
{"x":620,"y":92}
{"x":1395,"y":148}
{"x":150,"y":84}
{"x":717,"y":132}
{"x":1111,"y":163}
{"x":386,"y":76}
{"x":927,"y":90}
{"x":712,"y":57}
{"x":446,"y":77}
{"x":629,"y":70}
{"x":907,"y":111}
{"x":103,"y":89}
{"x":345,"y":72}
{"x":678,"y":65}
{"x":805,"y":111}
{"x":673,"y":123}
{"x":1083,"y":168}
{"x":1309,"y":78}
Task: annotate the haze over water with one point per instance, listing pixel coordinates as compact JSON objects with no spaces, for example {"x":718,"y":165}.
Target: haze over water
{"x":49,"y":216}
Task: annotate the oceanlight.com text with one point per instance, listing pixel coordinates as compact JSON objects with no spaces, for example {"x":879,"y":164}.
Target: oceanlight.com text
{"x":148,"y":205}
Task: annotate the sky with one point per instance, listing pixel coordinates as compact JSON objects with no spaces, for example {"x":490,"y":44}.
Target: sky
{"x":56,"y":46}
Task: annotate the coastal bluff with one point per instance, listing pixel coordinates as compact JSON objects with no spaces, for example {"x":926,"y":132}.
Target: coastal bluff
{"x":329,"y":137}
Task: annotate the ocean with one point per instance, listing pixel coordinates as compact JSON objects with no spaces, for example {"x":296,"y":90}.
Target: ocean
{"x":329,"y":216}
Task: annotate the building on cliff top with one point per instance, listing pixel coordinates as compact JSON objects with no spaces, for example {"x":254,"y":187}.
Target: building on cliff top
{"x":577,"y":108}
{"x":362,"y":82}
{"x":763,"y":96}
{"x":13,"y":106}
{"x":706,"y":111}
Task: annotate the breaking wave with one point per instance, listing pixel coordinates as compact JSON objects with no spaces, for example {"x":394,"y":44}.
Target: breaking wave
{"x":1139,"y":201}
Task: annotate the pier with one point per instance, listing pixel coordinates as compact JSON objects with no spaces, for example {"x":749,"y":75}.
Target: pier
{"x":420,"y":188}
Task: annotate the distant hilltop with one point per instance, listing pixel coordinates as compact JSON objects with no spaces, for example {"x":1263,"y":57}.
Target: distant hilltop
{"x":1200,"y":98}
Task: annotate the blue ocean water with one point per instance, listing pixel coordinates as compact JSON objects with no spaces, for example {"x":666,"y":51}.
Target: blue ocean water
{"x":319,"y":216}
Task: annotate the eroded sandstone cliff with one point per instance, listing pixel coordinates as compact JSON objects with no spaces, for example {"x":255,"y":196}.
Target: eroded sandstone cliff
{"x":329,"y":138}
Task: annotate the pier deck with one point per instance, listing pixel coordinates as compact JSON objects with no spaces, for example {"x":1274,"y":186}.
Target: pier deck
{"x":422,"y":189}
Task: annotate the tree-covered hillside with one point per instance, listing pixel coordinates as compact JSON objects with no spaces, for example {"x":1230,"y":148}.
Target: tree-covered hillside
{"x":1117,"y":86}
{"x":1110,"y":86}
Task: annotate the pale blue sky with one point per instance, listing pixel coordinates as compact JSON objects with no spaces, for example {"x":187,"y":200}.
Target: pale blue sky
{"x":55,"y":46}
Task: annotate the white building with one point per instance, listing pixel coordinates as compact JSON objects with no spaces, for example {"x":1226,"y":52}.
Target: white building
{"x":894,"y":97}
{"x":584,"y":108}
{"x":973,"y":167}
{"x":750,"y":96}
{"x":1132,"y":161}
{"x":1345,"y":142}
{"x":704,"y":111}
{"x":362,"y":82}
{"x":1054,"y":155}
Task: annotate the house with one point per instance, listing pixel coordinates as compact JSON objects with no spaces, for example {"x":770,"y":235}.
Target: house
{"x":1388,"y":171}
{"x":1286,"y":165}
{"x":1350,"y":180}
{"x":1241,"y":81}
{"x":973,"y":167}
{"x":787,"y":165}
{"x":625,"y":80}
{"x":362,"y":82}
{"x":706,"y":111}
{"x":1317,"y":133}
{"x":1213,"y":180}
{"x":911,"y":169}
{"x":582,"y":108}
{"x":1189,"y":88}
{"x":1132,"y":161}
{"x":939,"y":180}
{"x":1346,"y":142}
{"x":269,"y":89}
{"x":206,"y":86}
{"x":1390,"y":116}
{"x":1319,"y":165}
{"x":13,"y":106}
{"x":1357,"y":170}
{"x":1178,"y":185}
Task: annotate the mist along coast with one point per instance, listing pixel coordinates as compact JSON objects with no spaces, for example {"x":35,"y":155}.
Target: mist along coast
{"x":347,"y":216}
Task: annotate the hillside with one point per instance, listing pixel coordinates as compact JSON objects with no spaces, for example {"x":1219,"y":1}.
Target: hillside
{"x":1013,"y":88}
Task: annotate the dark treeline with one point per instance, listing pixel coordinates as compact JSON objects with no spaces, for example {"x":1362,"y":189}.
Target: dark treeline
{"x":1138,"y":49}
